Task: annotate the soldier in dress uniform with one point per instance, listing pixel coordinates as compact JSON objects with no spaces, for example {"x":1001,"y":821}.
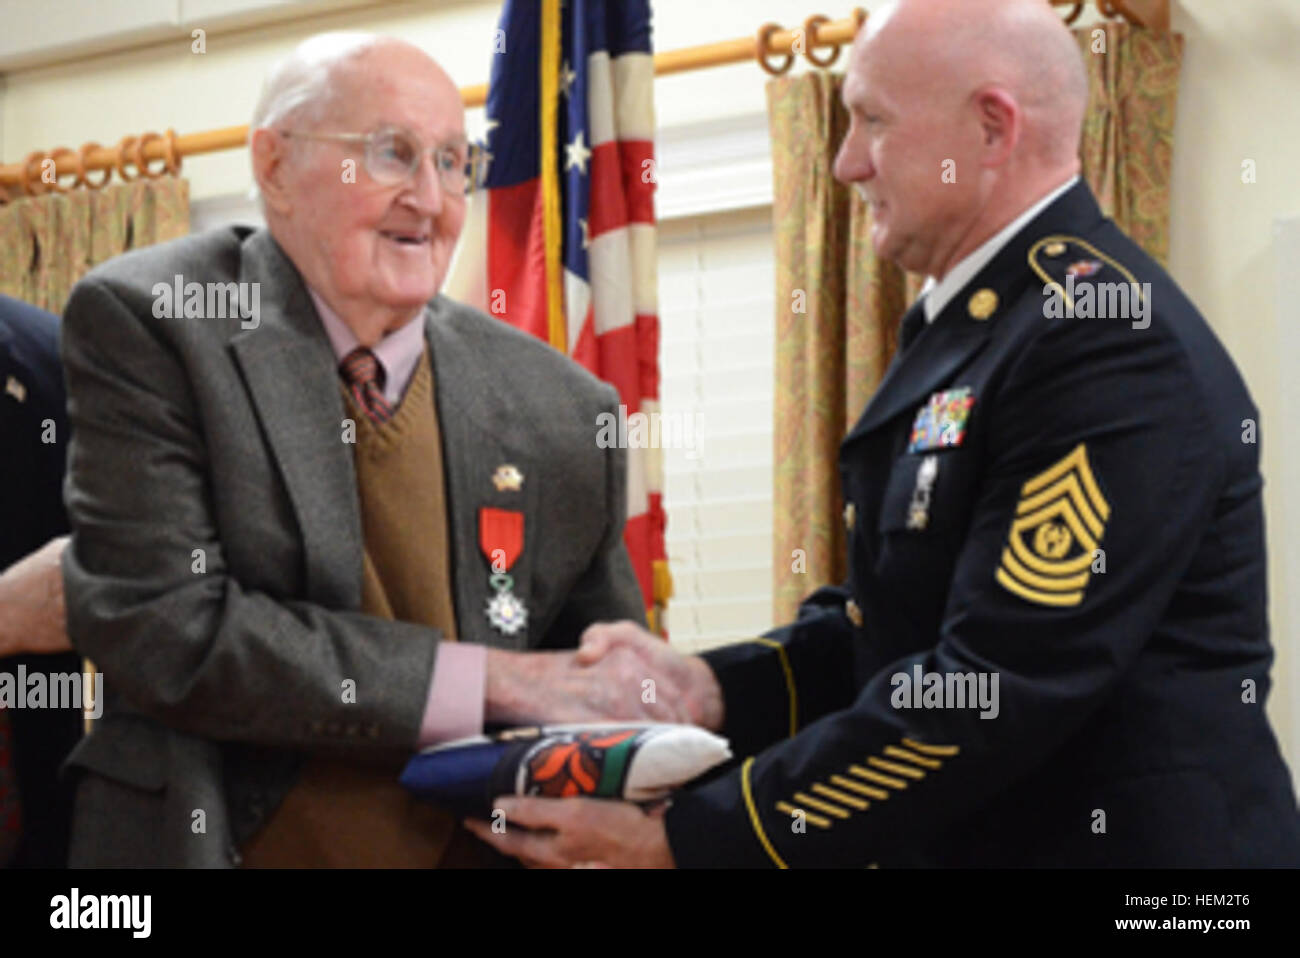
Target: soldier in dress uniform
{"x":1052,"y":647}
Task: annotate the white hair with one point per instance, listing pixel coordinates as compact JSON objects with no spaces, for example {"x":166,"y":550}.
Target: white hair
{"x":299,"y":85}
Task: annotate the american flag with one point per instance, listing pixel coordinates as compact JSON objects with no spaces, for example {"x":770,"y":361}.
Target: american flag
{"x":560,"y":237}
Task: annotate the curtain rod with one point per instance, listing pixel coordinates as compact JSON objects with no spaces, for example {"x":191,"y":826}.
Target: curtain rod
{"x":770,"y":40}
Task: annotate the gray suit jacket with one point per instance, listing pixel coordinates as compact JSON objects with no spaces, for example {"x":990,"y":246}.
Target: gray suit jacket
{"x":197,"y":443}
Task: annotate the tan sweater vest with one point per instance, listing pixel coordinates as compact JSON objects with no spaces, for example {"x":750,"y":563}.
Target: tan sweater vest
{"x":344,"y":813}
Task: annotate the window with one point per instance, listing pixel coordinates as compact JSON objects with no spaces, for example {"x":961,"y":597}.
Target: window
{"x":716,"y":281}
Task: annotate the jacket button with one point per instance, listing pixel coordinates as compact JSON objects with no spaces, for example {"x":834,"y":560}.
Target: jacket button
{"x":373,"y":730}
{"x":853,"y":612}
{"x":850,"y":516}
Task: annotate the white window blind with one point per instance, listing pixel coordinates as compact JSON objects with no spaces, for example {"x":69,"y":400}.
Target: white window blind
{"x":716,"y":280}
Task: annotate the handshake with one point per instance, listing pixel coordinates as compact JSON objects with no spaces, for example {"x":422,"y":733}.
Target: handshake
{"x":620,"y":672}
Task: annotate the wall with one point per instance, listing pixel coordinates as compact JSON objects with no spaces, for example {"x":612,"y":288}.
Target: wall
{"x":157,"y":86}
{"x":1240,"y":82}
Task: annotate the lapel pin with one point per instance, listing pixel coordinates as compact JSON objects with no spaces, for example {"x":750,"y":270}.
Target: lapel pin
{"x":16,"y":389}
{"x":1083,"y":268}
{"x":508,"y":478}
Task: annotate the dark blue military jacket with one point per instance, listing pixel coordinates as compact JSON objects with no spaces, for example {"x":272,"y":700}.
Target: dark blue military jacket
{"x":1052,"y":648}
{"x":31,"y":513}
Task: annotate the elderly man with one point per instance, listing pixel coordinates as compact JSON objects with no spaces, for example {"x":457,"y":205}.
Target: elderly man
{"x":284,"y":514}
{"x":1052,"y":647}
{"x":35,"y":806}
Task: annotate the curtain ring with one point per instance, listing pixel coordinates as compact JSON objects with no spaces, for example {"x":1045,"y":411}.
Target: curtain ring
{"x":143,"y":164}
{"x":859,"y":18}
{"x":1074,"y":14}
{"x":810,"y":38}
{"x":54,"y":155}
{"x":136,"y":154}
{"x":87,"y":182}
{"x":764,"y":37}
{"x":79,"y":174}
{"x":120,"y":160}
{"x":172,"y":156}
{"x":29,"y":187}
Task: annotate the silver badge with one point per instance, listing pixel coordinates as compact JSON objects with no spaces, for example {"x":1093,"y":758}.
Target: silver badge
{"x":918,"y":510}
{"x":506,"y":612}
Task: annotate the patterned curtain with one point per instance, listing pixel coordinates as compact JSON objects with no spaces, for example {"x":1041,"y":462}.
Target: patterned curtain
{"x":1128,"y":132}
{"x":49,"y":242}
{"x":838,"y":307}
{"x":837,"y":310}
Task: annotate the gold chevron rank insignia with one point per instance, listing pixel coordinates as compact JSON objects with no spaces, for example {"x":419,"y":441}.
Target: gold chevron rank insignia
{"x":1057,"y":528}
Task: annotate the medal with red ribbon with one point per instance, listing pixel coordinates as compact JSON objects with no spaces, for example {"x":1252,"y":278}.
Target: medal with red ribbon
{"x":501,"y":537}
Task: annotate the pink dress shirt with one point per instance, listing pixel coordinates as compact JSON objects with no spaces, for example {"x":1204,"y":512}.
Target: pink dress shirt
{"x":457,"y":690}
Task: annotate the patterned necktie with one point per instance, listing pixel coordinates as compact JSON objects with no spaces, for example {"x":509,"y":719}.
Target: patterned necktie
{"x":365,"y":377}
{"x":10,"y":808}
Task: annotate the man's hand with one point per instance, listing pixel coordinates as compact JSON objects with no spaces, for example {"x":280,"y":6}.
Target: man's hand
{"x":554,"y":687}
{"x":31,"y":603}
{"x":571,"y":832}
{"x":687,"y":680}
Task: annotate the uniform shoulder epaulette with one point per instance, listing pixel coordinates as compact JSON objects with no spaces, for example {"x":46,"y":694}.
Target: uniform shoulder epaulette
{"x":1083,"y":279}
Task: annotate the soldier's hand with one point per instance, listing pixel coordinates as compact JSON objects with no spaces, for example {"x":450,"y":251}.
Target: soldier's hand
{"x":578,"y":832}
{"x":31,"y":603}
{"x":688,"y":678}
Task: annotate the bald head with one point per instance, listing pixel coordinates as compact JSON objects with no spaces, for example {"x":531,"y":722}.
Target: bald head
{"x":1021,"y":46}
{"x":964,"y":112}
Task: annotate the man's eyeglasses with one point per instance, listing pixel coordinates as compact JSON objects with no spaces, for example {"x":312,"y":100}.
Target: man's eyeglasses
{"x":393,"y":156}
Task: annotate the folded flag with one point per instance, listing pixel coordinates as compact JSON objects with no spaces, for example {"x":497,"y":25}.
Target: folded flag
{"x":639,"y":762}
